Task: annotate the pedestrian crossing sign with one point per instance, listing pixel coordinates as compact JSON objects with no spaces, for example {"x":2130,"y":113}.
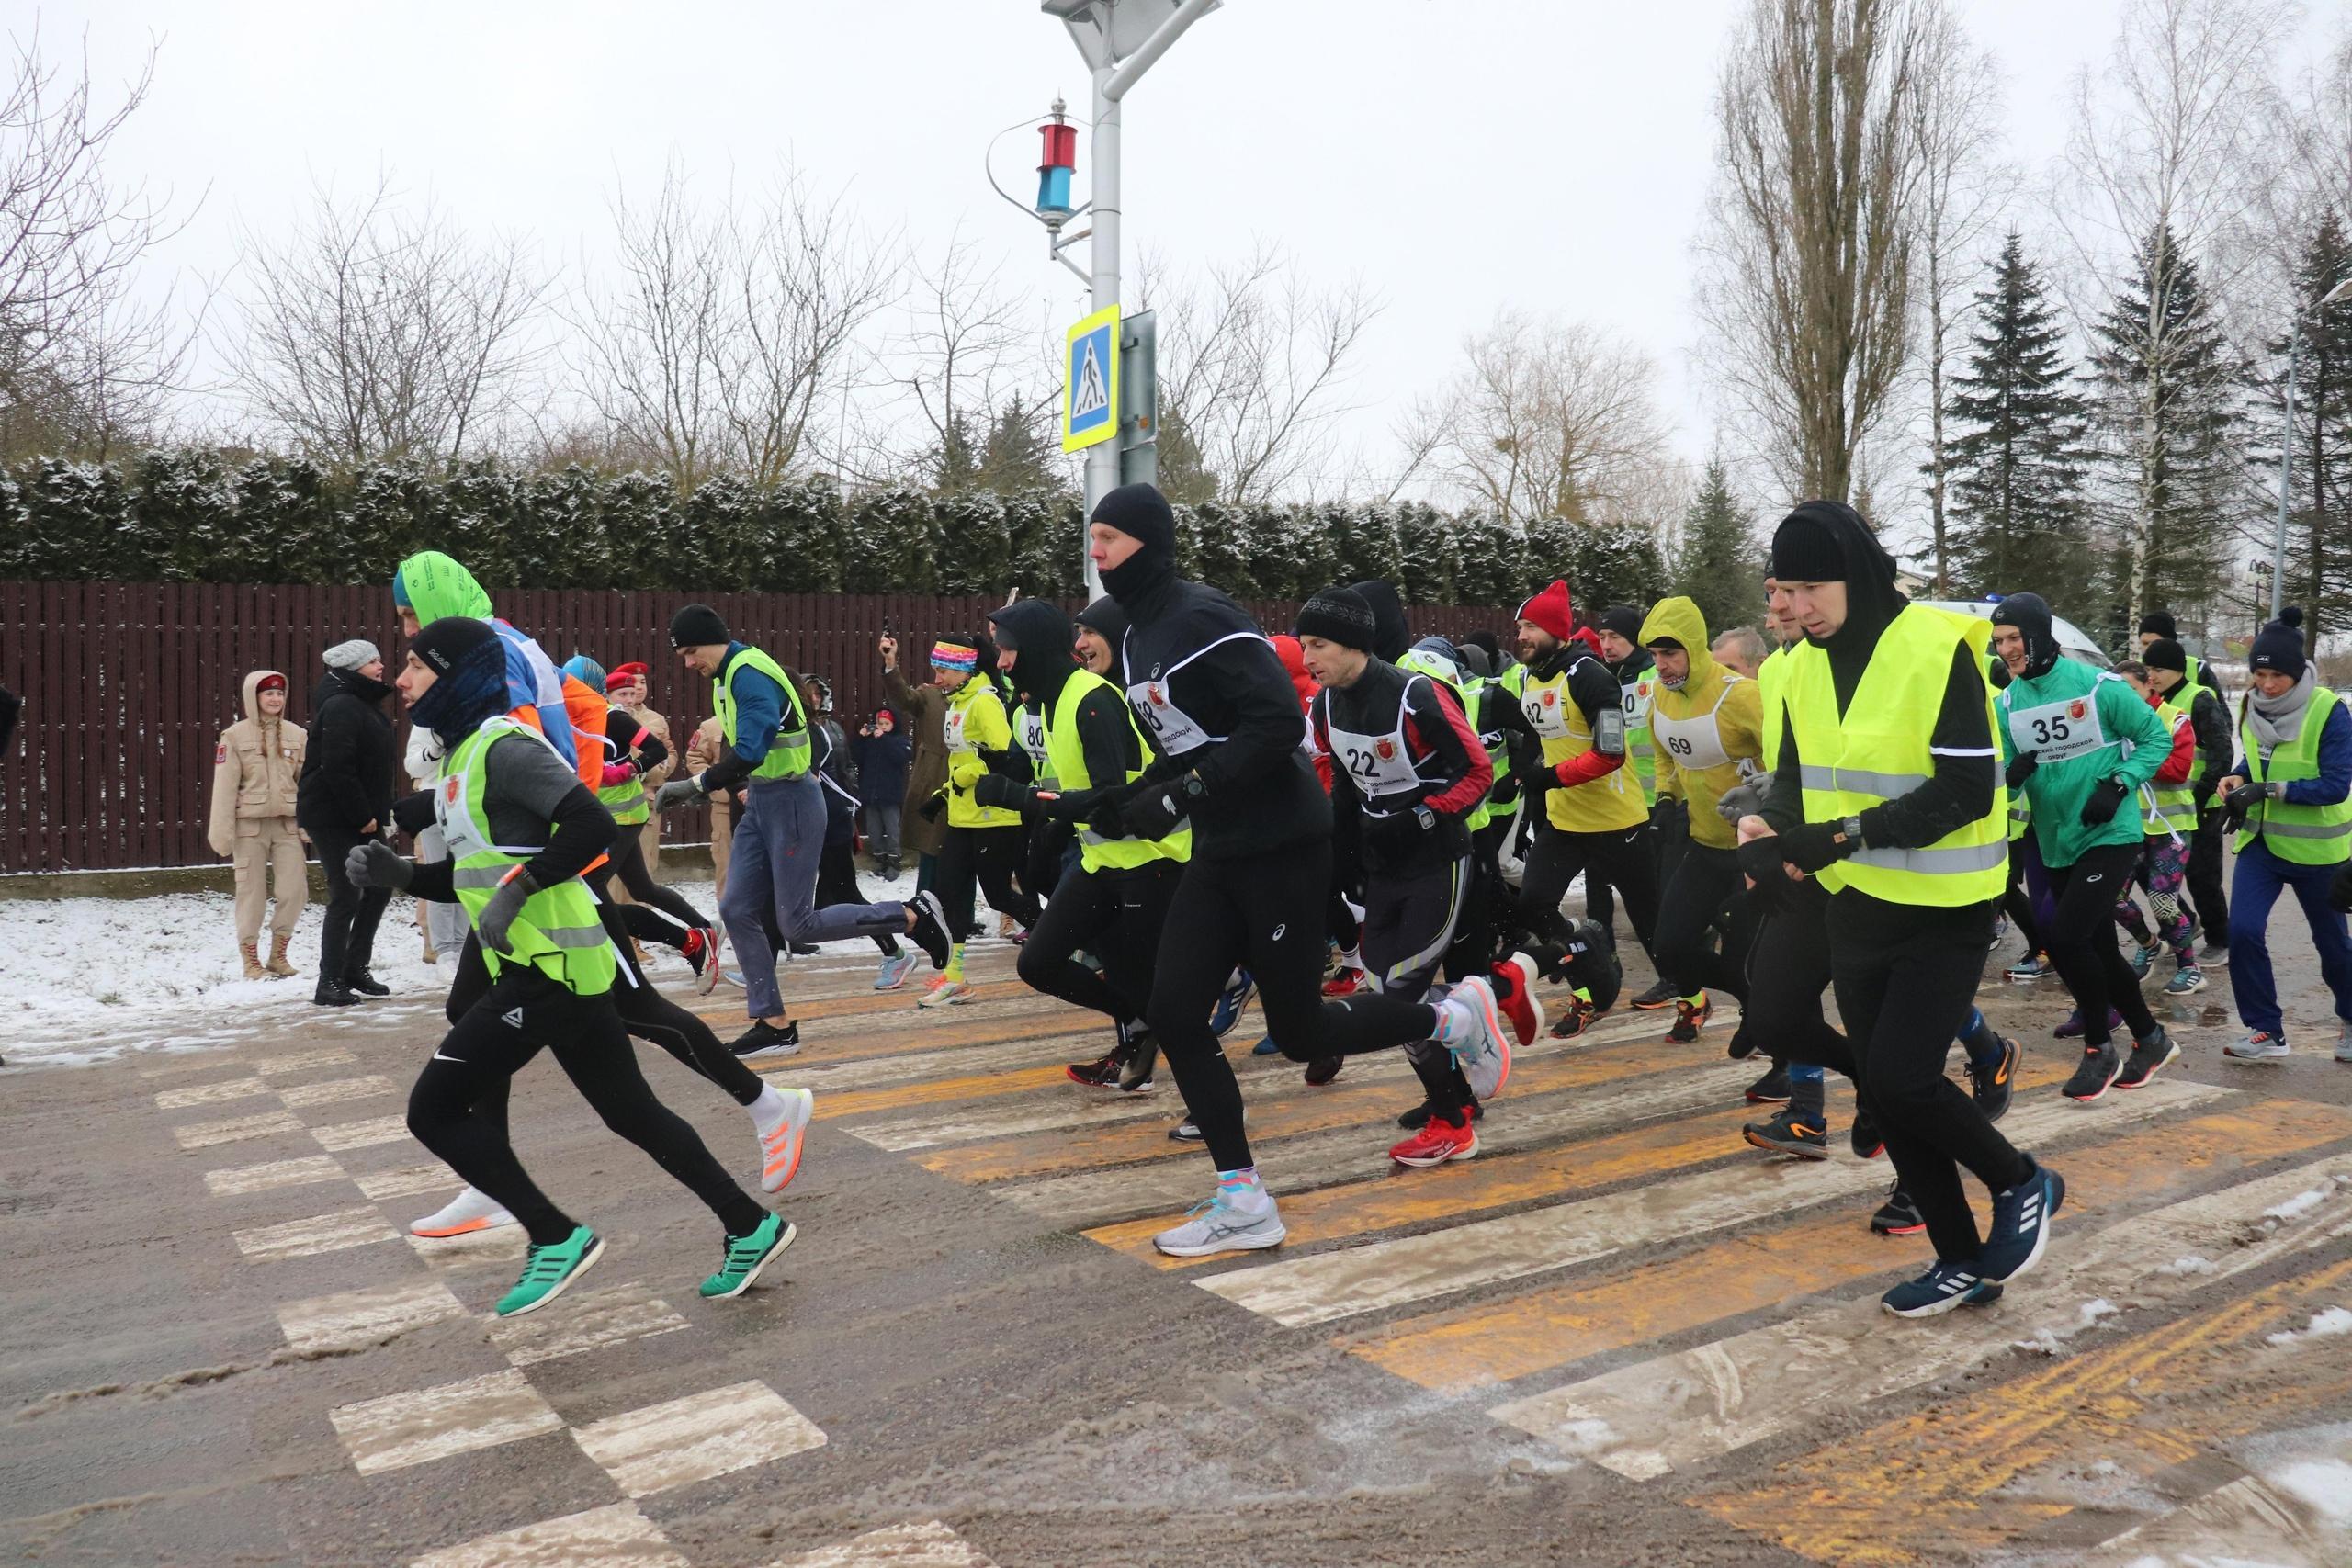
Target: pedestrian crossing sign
{"x":1091,"y":385}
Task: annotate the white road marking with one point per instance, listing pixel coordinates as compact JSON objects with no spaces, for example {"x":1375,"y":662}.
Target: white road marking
{"x":303,"y":1061}
{"x":614,"y":1535}
{"x":927,"y":1545}
{"x":321,"y":1232}
{"x":334,"y":1091}
{"x":180,"y":1062}
{"x":204,"y":1135}
{"x":1324,"y":1286}
{"x":1670,"y":1413}
{"x":355,"y":1319}
{"x":208,"y":1093}
{"x":343,"y":1135}
{"x":684,"y":1441}
{"x":426,"y":1423}
{"x":408,"y":1181}
{"x":276,"y":1173}
{"x":581,"y":1321}
{"x":503,"y":1246}
{"x":891,"y":1071}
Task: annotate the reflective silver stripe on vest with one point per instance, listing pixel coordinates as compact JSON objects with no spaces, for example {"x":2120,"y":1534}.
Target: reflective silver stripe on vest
{"x":1859,"y":781}
{"x":574,"y":936}
{"x":480,"y":875}
{"x":2304,"y":829}
{"x":1958,"y":860}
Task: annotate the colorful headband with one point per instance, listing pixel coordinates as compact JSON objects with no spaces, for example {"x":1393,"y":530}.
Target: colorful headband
{"x":954,"y":656}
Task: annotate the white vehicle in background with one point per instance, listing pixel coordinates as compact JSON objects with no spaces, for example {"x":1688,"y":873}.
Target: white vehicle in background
{"x":2071,"y":641}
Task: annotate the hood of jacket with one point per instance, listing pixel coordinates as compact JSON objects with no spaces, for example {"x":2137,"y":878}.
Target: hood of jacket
{"x":2030,"y":615}
{"x":1039,"y":636}
{"x":1633,"y":667}
{"x":434,"y":585}
{"x":1391,"y":633}
{"x":250,"y":695}
{"x":1872,"y":600}
{"x":1682,"y":619}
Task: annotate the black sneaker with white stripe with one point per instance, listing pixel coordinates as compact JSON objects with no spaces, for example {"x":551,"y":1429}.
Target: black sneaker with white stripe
{"x":2021,"y":1229}
{"x":1944,"y":1287}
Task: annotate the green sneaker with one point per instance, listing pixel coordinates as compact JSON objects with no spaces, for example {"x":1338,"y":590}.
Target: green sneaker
{"x":548,"y":1272}
{"x":746,"y":1255}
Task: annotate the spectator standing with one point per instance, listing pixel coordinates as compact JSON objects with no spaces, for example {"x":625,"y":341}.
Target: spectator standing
{"x":255,"y":766}
{"x":703,"y":753}
{"x":884,"y":756}
{"x":343,"y":798}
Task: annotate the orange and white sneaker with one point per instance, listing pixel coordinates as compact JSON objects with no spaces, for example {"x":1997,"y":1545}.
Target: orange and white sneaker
{"x":782,"y":1140}
{"x":1439,"y":1141}
{"x":471,"y":1210}
{"x":944,"y":991}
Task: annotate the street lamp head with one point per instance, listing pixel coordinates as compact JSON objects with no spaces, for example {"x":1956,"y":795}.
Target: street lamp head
{"x":2340,"y":291}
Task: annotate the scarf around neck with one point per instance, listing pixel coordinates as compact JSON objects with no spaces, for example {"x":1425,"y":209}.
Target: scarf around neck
{"x":2278,"y":720}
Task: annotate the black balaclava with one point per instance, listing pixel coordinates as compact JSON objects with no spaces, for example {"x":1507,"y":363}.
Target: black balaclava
{"x":2029,"y":613}
{"x":1039,"y":636}
{"x":471,"y":665}
{"x":1141,"y":513}
{"x":1826,"y":541}
{"x":1391,"y":633}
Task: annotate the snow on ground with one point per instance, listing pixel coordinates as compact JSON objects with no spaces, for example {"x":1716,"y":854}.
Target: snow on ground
{"x":92,"y":980}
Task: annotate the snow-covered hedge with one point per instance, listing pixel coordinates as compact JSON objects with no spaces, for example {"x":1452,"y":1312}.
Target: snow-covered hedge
{"x":194,"y":515}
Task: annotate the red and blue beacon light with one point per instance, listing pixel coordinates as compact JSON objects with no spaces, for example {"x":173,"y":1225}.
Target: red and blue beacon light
{"x":1060,"y":163}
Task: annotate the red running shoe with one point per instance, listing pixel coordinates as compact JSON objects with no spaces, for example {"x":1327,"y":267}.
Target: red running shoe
{"x":1438,"y":1142}
{"x":1346,"y":983}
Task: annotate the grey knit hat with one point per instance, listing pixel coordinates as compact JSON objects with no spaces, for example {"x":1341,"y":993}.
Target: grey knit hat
{"x":356,"y":654}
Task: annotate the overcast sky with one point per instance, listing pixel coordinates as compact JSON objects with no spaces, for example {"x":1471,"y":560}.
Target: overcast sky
{"x":1460,"y":156}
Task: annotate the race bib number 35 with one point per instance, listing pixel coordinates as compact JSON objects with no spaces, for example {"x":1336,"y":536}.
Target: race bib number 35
{"x":2059,"y":731}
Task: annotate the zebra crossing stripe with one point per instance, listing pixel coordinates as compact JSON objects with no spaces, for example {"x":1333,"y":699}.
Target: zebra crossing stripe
{"x":600,"y":1538}
{"x":1674,"y":1412}
{"x":927,"y":1545}
{"x":836,"y":1106}
{"x":1557,"y":1325}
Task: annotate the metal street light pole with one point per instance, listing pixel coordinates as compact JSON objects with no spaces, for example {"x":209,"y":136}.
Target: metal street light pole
{"x":2287,"y":446}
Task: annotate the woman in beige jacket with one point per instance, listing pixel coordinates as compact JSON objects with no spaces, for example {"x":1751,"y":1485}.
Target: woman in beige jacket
{"x":254,"y":769}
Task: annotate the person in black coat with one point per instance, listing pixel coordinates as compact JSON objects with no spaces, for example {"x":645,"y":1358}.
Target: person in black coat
{"x":883,"y":754}
{"x":343,"y":798}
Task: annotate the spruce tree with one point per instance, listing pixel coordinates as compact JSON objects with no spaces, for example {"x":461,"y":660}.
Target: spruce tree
{"x":1718,"y":569}
{"x":2169,"y":380}
{"x":2319,"y":523}
{"x":2018,"y":458}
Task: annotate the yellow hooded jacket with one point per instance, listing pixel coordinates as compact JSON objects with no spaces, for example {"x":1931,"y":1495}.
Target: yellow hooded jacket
{"x":1708,"y":732}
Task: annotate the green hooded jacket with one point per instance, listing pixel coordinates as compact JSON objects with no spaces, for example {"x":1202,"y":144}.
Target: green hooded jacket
{"x":2084,"y":726}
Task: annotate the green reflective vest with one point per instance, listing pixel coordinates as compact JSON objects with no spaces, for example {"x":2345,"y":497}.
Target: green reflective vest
{"x":2167,"y":809}
{"x":2307,"y":835}
{"x":626,"y":801}
{"x":1449,"y":676}
{"x":1639,"y":756}
{"x":1068,"y":754}
{"x":558,"y":932}
{"x":788,"y":750}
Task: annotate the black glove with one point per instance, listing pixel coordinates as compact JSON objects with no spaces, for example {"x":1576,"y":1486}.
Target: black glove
{"x":1155,"y":813}
{"x":1671,"y":818}
{"x":374,"y":863}
{"x":496,"y":921}
{"x":1760,"y":859}
{"x":932,"y":810}
{"x":1809,"y":846}
{"x":2022,"y":768}
{"x":1104,"y":818}
{"x":2247,"y":796}
{"x":677,"y":793}
{"x":2339,"y":891}
{"x":2099,"y":810}
{"x":1002,"y":791}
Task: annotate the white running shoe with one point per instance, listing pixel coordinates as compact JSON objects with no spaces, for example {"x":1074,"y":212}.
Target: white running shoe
{"x":895,"y":969}
{"x":469,"y":1212}
{"x":1218,"y":1227}
{"x":780,"y":1145}
{"x":716,"y":935}
{"x":1482,"y":1045}
{"x":943,"y":992}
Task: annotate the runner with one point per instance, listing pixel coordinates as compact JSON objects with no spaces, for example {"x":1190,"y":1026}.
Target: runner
{"x":2208,"y":720}
{"x":1619,"y":631}
{"x":2080,"y":744}
{"x":1902,"y":819}
{"x":2290,"y":788}
{"x":837,"y":882}
{"x":781,"y":837}
{"x":2169,"y":822}
{"x":520,"y":830}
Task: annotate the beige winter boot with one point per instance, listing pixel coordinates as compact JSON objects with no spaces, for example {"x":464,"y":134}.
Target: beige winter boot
{"x":251,"y":952}
{"x":279,"y":968}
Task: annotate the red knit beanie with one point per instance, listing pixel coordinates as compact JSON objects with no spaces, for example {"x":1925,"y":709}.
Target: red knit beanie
{"x":1550,"y":611}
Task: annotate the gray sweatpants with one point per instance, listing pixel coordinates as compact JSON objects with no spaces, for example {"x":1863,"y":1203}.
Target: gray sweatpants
{"x":774,"y":868}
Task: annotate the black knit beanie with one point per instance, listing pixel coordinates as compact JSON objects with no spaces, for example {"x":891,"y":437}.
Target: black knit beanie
{"x":2161,"y":623}
{"x":1623,"y":619}
{"x":697,"y":625}
{"x":1338,"y":615}
{"x":443,"y":645}
{"x":2279,"y":647}
{"x":1806,"y":550}
{"x":2164,"y":653}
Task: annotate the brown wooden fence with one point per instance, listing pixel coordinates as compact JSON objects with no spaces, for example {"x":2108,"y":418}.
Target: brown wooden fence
{"x":127,"y":686}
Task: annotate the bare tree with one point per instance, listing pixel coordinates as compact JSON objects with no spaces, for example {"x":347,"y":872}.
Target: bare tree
{"x":1252,"y":362}
{"x":82,"y":364}
{"x":722,"y":338}
{"x":969,"y":350}
{"x":1957,"y":124}
{"x":2168,"y":158}
{"x":377,"y":330}
{"x":1806,"y":287}
{"x":1550,"y":418}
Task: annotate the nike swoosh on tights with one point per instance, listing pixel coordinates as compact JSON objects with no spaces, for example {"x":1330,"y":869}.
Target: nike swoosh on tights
{"x":439,"y":1057}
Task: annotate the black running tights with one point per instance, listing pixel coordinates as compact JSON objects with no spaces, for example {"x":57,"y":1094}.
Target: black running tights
{"x":837,"y":884}
{"x":990,"y":857}
{"x":2083,"y":945}
{"x":1703,"y":878}
{"x":1410,"y":921}
{"x":1623,"y":858}
{"x":1118,"y":915}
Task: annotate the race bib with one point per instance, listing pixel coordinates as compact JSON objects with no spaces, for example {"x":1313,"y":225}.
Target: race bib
{"x":953,"y":725}
{"x":1376,"y":762}
{"x":1173,"y":732}
{"x":2059,"y":732}
{"x":1029,"y":728}
{"x":1542,"y":704}
{"x":1694,"y":743}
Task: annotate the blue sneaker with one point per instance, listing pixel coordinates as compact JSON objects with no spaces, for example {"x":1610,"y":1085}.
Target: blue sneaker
{"x":1266,"y":1047}
{"x":2021,"y":1230}
{"x":1230,"y":1003}
{"x":1944,"y":1287}
{"x":2143,"y":958}
{"x":896,"y":969}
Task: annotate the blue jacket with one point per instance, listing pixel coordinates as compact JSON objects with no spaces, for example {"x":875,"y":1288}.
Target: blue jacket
{"x":2334,"y":780}
{"x":882,"y":764}
{"x":759,"y":709}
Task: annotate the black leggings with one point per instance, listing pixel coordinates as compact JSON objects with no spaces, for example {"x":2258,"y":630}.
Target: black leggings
{"x":1119,"y":915}
{"x":2018,"y":902}
{"x":1907,"y":979}
{"x":1788,"y":970}
{"x":1263,"y":913}
{"x":1474,"y":936}
{"x":1409,"y":922}
{"x":457,"y":1108}
{"x":642,"y":919}
{"x":1624,"y":858}
{"x":990,"y":857}
{"x":628,"y":862}
{"x":1704,"y":877}
{"x":347,"y":938}
{"x":2205,"y":894}
{"x":837,"y":884}
{"x":2083,"y":945}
